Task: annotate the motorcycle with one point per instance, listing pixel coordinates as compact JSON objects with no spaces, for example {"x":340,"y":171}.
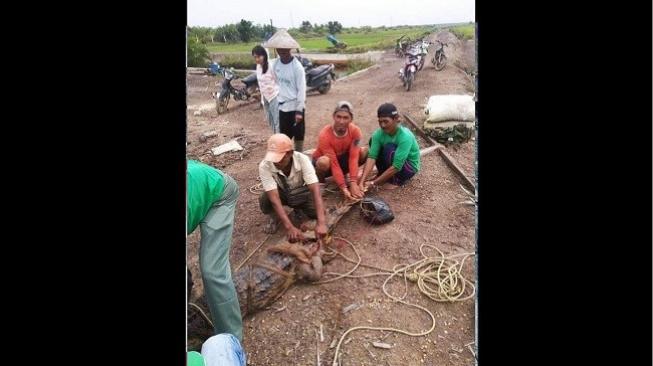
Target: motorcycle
{"x":241,"y":93}
{"x":214,"y":69}
{"x":423,"y":47}
{"x":411,"y":65}
{"x":439,"y":59}
{"x":402,"y":45}
{"x":318,"y":78}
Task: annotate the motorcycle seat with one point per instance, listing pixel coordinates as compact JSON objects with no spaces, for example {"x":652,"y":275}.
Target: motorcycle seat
{"x":317,"y":71}
{"x":250,"y":79}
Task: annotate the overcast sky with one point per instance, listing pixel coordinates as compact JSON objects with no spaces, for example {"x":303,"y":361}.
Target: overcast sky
{"x":350,"y":13}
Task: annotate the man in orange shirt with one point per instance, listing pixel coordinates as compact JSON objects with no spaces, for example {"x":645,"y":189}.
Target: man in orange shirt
{"x":338,"y":151}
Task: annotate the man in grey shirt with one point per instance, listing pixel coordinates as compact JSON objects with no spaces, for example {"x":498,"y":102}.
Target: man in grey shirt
{"x":291,"y":78}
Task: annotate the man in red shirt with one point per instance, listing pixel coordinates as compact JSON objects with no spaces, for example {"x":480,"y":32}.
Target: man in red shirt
{"x":338,"y":151}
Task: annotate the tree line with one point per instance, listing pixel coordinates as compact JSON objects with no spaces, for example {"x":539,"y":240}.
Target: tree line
{"x":247,"y":31}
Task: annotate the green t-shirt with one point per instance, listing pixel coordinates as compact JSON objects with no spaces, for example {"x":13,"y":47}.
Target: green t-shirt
{"x":407,"y":147}
{"x":204,"y":186}
{"x":194,"y":358}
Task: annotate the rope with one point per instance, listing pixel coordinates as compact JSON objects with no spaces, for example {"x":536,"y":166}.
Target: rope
{"x":252,"y":252}
{"x":439,"y":278}
{"x":202,"y":312}
{"x":256,"y":188}
{"x":449,"y":284}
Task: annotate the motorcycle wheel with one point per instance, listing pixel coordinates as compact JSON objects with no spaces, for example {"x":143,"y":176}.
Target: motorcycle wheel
{"x":409,"y":81}
{"x":221,"y":103}
{"x":440,"y":62}
{"x":421,"y":64}
{"x":324,"y":88}
{"x":255,"y":93}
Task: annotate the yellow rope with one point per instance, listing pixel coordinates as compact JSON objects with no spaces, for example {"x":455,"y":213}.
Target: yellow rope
{"x":201,"y":312}
{"x":439,"y":278}
{"x":252,"y":252}
{"x":256,"y":188}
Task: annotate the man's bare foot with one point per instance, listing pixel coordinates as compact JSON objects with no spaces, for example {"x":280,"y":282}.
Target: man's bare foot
{"x":272,"y":226}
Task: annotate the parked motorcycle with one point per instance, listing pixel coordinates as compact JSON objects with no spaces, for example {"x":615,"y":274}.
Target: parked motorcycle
{"x":239,"y":93}
{"x":439,"y":59}
{"x":401,"y":45}
{"x":318,"y":78}
{"x":423,"y":47}
{"x":411,"y":65}
{"x":214,"y":69}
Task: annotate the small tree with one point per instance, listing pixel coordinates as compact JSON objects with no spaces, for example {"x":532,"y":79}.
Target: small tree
{"x":227,"y":34}
{"x":334,"y":27}
{"x":306,"y":27}
{"x":197,"y":54}
{"x":320,"y":29}
{"x":268,"y":31}
{"x":245,"y":30}
{"x":295,"y":33}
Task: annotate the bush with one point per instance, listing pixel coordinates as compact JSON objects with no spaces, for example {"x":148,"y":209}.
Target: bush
{"x":238,"y":61}
{"x":197,"y":54}
{"x":463,"y":32}
{"x":358,"y":64}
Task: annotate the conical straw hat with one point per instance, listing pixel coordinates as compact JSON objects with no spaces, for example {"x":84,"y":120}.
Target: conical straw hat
{"x":281,"y":39}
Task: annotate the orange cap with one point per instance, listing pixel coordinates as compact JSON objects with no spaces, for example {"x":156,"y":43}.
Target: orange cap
{"x":278,"y":145}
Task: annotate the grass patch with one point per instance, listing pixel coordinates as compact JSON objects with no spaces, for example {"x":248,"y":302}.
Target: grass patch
{"x":463,"y":32}
{"x":231,"y":47}
{"x":238,"y":61}
{"x":362,"y":41}
{"x":357,"y":65}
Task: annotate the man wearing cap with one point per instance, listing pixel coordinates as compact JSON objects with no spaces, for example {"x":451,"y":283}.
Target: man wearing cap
{"x":339,"y":152}
{"x":291,"y":78}
{"x":211,"y":205}
{"x":393,"y":149}
{"x":288,"y":178}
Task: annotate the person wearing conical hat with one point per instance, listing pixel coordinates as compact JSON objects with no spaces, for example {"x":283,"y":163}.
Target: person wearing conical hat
{"x":291,"y":79}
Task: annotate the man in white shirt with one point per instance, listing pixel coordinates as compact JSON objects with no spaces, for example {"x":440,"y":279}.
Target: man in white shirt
{"x":291,"y":78}
{"x":289,"y":179}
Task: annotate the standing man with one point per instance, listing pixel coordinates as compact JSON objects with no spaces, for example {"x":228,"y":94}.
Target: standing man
{"x":291,"y":78}
{"x":211,"y":205}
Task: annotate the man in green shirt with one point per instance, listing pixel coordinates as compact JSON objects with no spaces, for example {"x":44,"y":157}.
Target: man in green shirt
{"x":393,"y":149}
{"x":211,"y":205}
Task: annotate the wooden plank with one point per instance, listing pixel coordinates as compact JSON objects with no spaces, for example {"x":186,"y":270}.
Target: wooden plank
{"x":196,"y":70}
{"x":448,"y":159}
{"x":428,"y":150}
{"x":453,"y":164}
{"x":420,"y":131}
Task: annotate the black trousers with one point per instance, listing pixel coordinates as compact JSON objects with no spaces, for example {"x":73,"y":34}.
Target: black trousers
{"x":288,"y":127}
